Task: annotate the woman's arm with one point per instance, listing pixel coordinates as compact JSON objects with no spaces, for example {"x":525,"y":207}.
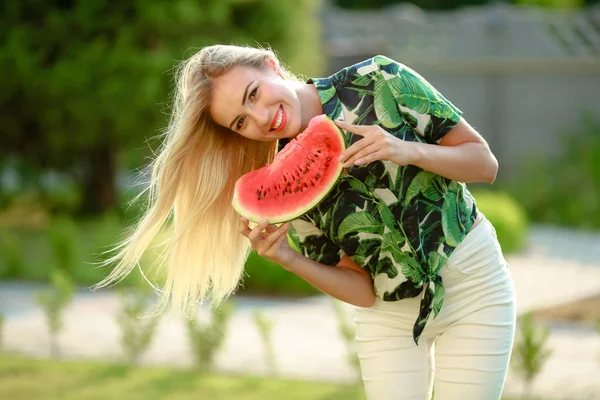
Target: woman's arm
{"x":347,"y":282}
{"x":463,"y":155}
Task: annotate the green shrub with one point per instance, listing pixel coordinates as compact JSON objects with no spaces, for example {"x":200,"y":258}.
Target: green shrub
{"x":267,"y":278}
{"x":61,"y":235}
{"x":347,"y":331}
{"x":265,"y":330}
{"x":507,"y":216}
{"x":531,"y":351}
{"x":73,"y":245}
{"x":54,"y":301}
{"x":208,"y":338}
{"x":11,"y":255}
{"x":137,"y":329}
{"x":564,"y":190}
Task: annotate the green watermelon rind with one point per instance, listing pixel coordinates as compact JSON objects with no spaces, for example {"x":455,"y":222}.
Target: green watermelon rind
{"x":250,"y":216}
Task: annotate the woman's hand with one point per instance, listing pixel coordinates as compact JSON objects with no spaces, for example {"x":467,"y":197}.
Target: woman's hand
{"x":376,"y":144}
{"x":269,"y":241}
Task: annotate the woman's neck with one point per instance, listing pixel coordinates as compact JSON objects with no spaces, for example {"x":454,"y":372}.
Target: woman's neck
{"x":310,"y":103}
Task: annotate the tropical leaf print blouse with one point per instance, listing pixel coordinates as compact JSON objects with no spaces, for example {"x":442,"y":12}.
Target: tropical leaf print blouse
{"x":401,"y":223}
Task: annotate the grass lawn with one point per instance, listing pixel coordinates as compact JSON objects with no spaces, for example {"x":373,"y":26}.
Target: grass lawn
{"x":27,"y":379}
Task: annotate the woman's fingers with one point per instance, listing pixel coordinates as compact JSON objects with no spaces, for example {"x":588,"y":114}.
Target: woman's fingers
{"x":270,"y":241}
{"x":357,"y":129}
{"x":264,"y":234}
{"x":255,"y":234}
{"x":244,"y":228}
{"x":361,"y":154}
{"x":354,"y":149}
{"x":279,"y":241}
{"x":268,"y":230}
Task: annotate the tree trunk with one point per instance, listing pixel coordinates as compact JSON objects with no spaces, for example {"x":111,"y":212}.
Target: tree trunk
{"x":99,"y":182}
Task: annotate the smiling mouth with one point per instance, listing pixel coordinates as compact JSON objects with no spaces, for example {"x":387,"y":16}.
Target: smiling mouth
{"x":277,"y":120}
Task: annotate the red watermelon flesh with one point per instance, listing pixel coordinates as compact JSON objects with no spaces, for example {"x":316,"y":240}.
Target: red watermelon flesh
{"x":299,"y":177}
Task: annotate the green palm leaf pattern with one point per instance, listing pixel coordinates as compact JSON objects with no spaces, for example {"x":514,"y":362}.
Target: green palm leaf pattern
{"x":386,"y":108}
{"x":411,"y":92}
{"x":359,"y":222}
{"x":327,"y":94}
{"x":386,"y":215}
{"x":362,"y":80}
{"x":411,"y":269}
{"x":436,"y":261}
{"x":420,"y":183}
{"x":426,"y":215}
{"x":387,"y":64}
{"x":450,"y":221}
{"x":392,"y":242}
{"x":357,"y":185}
{"x":438,"y":295}
{"x":366,"y":248}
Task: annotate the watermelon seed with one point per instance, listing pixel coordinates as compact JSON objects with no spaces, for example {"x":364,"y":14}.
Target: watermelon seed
{"x":318,"y":176}
{"x":312,"y":183}
{"x":328,"y":158}
{"x":305,"y":184}
{"x":289,"y":184}
{"x":319,"y":151}
{"x":298,"y":181}
{"x":297,"y":190}
{"x":304,"y":170}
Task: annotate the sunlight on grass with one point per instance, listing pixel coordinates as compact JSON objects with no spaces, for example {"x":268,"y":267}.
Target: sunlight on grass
{"x":24,"y":379}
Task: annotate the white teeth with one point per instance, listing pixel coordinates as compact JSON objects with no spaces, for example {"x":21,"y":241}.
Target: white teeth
{"x":279,"y":119}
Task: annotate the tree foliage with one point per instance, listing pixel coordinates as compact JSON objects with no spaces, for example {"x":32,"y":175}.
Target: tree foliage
{"x":86,"y":80}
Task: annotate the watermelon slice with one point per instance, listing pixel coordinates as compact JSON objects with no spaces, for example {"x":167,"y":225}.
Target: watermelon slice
{"x":299,"y":177}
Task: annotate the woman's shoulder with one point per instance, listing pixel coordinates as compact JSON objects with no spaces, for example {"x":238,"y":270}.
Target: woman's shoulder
{"x":376,"y":64}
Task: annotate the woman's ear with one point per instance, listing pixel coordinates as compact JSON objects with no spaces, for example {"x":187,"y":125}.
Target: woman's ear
{"x":273,"y":65}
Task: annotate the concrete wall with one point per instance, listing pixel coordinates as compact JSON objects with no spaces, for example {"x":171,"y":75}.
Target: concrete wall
{"x":523,"y":78}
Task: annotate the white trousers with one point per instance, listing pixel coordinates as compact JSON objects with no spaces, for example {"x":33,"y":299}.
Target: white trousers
{"x":463,"y":352}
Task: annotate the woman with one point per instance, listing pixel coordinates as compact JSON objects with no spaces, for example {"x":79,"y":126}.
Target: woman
{"x":399,"y":236}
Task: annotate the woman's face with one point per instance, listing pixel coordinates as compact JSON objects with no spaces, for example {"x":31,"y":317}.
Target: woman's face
{"x":256,"y":103}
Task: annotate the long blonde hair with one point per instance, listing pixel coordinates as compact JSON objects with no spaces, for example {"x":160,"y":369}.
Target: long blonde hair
{"x":191,"y":187}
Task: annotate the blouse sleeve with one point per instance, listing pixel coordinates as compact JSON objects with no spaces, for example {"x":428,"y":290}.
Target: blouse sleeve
{"x":419,"y":103}
{"x":313,"y":243}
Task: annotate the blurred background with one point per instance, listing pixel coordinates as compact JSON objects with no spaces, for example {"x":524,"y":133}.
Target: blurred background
{"x":84,"y":93}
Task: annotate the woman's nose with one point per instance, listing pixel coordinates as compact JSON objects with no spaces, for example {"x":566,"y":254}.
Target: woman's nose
{"x":261,"y":115}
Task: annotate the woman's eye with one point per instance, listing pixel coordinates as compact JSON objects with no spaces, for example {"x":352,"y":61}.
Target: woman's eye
{"x":253,"y":93}
{"x":240,"y":123}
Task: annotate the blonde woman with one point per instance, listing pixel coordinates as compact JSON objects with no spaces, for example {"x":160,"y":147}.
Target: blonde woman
{"x":434,"y":299}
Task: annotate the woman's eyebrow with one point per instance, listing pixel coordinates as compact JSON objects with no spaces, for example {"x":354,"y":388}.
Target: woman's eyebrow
{"x":244,"y":99}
